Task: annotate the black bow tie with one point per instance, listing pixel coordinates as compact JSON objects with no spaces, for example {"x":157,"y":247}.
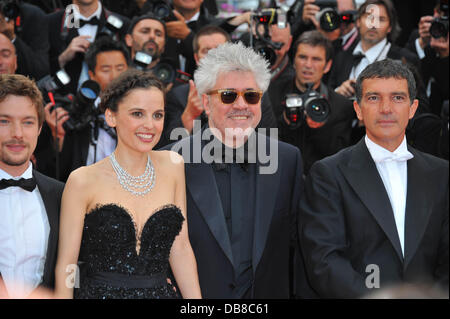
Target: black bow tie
{"x":92,"y":21}
{"x":27,"y":184}
{"x":357,"y":58}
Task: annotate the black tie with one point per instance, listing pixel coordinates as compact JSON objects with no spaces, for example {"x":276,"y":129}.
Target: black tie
{"x":92,"y":21}
{"x":357,"y":58}
{"x":27,"y":184}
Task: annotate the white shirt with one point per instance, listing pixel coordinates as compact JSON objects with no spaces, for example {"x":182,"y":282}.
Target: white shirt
{"x":395,"y":179}
{"x":90,"y":30}
{"x":376,"y":53}
{"x":24,"y":232}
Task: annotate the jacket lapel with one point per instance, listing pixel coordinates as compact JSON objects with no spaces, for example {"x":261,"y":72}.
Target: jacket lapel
{"x":48,"y":197}
{"x":266,"y":186}
{"x":418,"y":208}
{"x":362,"y":174}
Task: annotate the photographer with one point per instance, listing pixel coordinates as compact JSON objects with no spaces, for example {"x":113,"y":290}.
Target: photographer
{"x":18,"y":22}
{"x":8,"y":57}
{"x":73,"y":30}
{"x":378,"y":29}
{"x":87,"y":139}
{"x":312,"y":59}
{"x":431,"y":44}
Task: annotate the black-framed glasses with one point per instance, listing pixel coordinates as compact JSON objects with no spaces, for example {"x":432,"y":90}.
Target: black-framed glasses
{"x":229,"y":96}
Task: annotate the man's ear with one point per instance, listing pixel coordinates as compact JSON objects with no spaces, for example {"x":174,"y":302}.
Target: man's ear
{"x":128,"y":40}
{"x":205,"y":103}
{"x":196,"y":58}
{"x":357,"y":109}
{"x":413,"y":108}
{"x":328,"y":66}
{"x":91,"y":75}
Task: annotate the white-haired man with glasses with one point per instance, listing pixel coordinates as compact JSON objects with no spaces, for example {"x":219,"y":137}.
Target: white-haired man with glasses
{"x":242,"y":212}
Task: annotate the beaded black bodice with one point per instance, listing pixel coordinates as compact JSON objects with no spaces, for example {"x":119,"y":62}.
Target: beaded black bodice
{"x":112,"y":245}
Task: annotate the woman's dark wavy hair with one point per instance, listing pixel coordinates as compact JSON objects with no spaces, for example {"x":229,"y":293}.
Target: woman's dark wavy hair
{"x":121,"y":86}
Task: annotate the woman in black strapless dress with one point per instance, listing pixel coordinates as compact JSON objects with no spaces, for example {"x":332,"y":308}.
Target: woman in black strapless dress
{"x":123,"y":220}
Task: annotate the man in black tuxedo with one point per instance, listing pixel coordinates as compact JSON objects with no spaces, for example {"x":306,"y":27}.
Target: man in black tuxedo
{"x":312,"y":59}
{"x":30,"y":214}
{"x":72,"y":31}
{"x":378,"y":28}
{"x":376,"y":213}
{"x":241,"y":210}
{"x":29,"y":34}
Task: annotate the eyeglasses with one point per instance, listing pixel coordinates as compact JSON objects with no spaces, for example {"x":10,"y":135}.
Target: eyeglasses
{"x":229,"y":96}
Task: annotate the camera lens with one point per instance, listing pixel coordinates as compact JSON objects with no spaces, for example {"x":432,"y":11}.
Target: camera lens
{"x":318,"y":109}
{"x":10,"y":10}
{"x":268,"y":53}
{"x":162,"y":11}
{"x":329,"y":19}
{"x":164,"y":72}
{"x":439,"y":28}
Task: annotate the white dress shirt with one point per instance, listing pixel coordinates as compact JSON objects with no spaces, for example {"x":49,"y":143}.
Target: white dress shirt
{"x":24,"y":232}
{"x":376,"y":53}
{"x":90,"y":30}
{"x":392,"y":168}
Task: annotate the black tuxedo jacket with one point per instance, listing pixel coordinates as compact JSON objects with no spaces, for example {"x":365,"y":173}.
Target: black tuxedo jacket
{"x":343,"y":63}
{"x":347,"y":223}
{"x":51,"y":192}
{"x":275,"y":235}
{"x":32,"y":45}
{"x":59,"y":42}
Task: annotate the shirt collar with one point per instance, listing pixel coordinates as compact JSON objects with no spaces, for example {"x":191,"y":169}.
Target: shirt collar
{"x":376,"y":150}
{"x":27,"y":174}
{"x":348,"y":35}
{"x":373,"y":52}
{"x":194,"y":18}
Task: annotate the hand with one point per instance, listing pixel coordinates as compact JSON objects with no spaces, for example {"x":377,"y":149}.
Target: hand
{"x":55,"y":120}
{"x":309,"y":12}
{"x":313,"y":124}
{"x":347,"y":88}
{"x":424,"y":31}
{"x":240,"y":19}
{"x":7,"y":28}
{"x":193,"y":108}
{"x":178,"y":29}
{"x":441,"y":46}
{"x":78,"y":44}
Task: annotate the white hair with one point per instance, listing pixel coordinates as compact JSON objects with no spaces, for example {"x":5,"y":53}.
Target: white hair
{"x":229,"y":57}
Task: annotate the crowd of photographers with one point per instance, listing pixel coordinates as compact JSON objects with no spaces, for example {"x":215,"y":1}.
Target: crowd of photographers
{"x":316,"y":50}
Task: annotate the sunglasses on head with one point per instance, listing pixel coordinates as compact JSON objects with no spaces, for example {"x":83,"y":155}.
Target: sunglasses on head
{"x":229,"y":96}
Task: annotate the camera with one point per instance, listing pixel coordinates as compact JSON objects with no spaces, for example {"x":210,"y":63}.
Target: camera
{"x":263,"y":43}
{"x":161,"y":9}
{"x":328,"y":18}
{"x":10,"y":9}
{"x":165,"y":70}
{"x":112,"y":27}
{"x":53,"y":84}
{"x":82,"y":110}
{"x":311,"y":104}
{"x":439,"y":26}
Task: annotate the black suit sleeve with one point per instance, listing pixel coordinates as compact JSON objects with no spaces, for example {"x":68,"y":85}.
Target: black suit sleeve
{"x":322,"y":230}
{"x":267,"y":116}
{"x":442,"y":267}
{"x":32,"y":45}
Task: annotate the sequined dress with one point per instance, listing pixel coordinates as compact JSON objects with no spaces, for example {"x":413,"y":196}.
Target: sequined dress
{"x":112,"y":267}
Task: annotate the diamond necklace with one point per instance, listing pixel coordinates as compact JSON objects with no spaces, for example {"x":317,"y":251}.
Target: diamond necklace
{"x":136,"y":185}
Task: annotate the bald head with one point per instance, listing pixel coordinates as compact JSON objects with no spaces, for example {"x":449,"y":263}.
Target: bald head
{"x":8,"y":58}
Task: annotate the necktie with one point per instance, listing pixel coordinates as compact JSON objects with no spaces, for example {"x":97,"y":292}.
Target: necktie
{"x":357,"y":58}
{"x":92,"y":21}
{"x":27,"y":184}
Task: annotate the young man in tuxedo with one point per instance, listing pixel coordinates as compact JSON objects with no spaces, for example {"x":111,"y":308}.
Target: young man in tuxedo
{"x":71,"y":32}
{"x":376,"y":213}
{"x":30,"y":201}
